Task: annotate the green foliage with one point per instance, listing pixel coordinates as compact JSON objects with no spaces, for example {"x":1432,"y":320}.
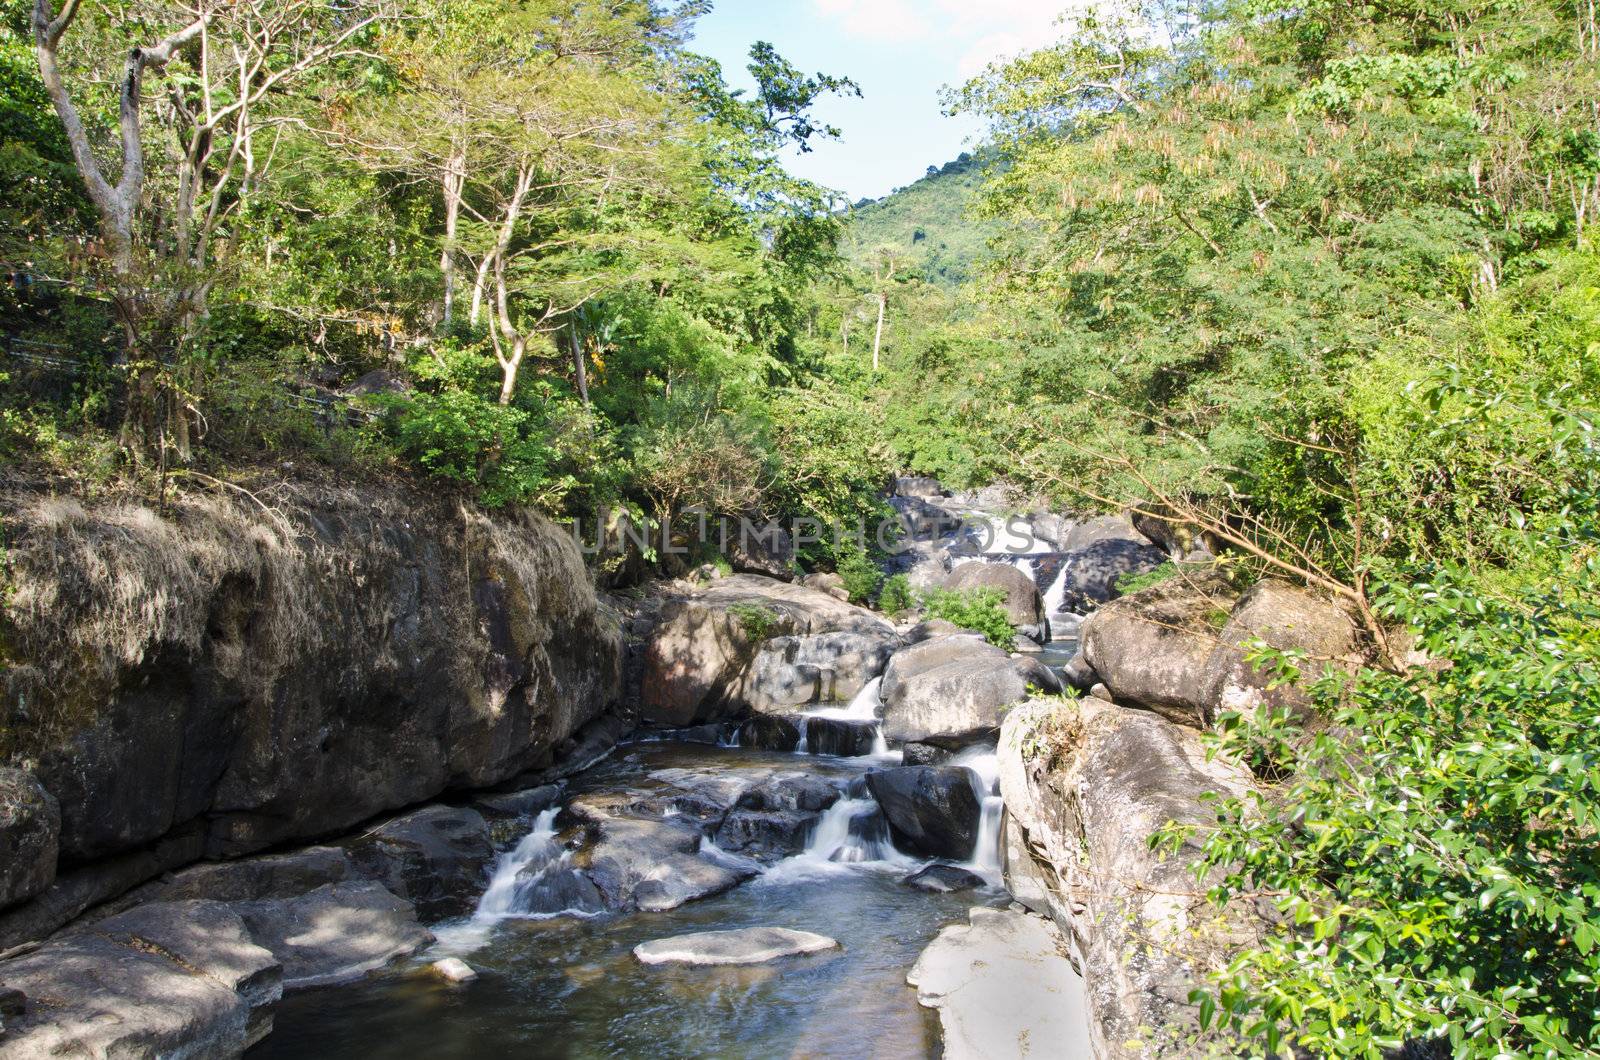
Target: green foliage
{"x":757,"y":622}
{"x":1433,"y":852}
{"x":980,"y":610}
{"x":896,"y":597}
{"x":1130,"y":583}
{"x":928,"y":224}
{"x":861,"y":576}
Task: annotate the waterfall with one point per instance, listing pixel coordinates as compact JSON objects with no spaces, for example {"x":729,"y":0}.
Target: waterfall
{"x":861,"y":711}
{"x":984,"y":766}
{"x":801,"y":748}
{"x":537,"y":850}
{"x":850,"y":832}
{"x":1055,"y":598}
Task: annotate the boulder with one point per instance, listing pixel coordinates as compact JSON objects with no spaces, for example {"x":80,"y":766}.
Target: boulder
{"x":827,"y":582}
{"x":765,"y":833}
{"x":1004,"y":989}
{"x":917,"y":753}
{"x":932,"y":810}
{"x":650,"y":865}
{"x":1099,"y":552}
{"x":760,"y":547}
{"x":701,"y":652}
{"x":922,"y":486}
{"x":437,"y":857}
{"x":944,"y":879}
{"x":790,"y":791}
{"x":756,"y":945}
{"x":1153,"y":648}
{"x":790,"y":672}
{"x":520,"y":804}
{"x":766,"y":732}
{"x":30,"y":825}
{"x":842,"y":737}
{"x":956,"y":689}
{"x":339,"y":931}
{"x":1023,"y":604}
{"x":179,"y":979}
{"x":1078,"y":675}
{"x":1085,"y":786}
{"x":1284,"y":617}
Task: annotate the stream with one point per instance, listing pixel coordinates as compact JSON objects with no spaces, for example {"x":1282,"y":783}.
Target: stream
{"x":568,"y":986}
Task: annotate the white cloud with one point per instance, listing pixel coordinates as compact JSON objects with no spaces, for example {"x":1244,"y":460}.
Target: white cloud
{"x":978,"y":31}
{"x":885,"y":20}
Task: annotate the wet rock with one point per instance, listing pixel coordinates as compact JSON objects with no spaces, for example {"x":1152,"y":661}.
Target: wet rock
{"x":1078,"y":823}
{"x":944,"y":879}
{"x":652,"y":865}
{"x":1023,"y":604}
{"x":1004,"y":988}
{"x":178,"y":979}
{"x":1098,"y":553}
{"x":336,"y":932}
{"x":248,"y":879}
{"x":932,"y":810}
{"x":699,"y":658}
{"x":437,"y":857}
{"x":841,"y":737}
{"x":767,"y":732}
{"x":738,"y":946}
{"x":765,"y":833}
{"x":790,"y":791}
{"x":30,"y":825}
{"x":551,"y":890}
{"x":527,"y":803}
{"x":916,"y":753}
{"x":956,"y":689}
{"x":790,"y":672}
{"x":453,"y":970}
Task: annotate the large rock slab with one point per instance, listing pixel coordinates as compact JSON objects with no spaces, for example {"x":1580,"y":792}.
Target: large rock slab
{"x":954,"y":690}
{"x":1020,"y":597}
{"x":1284,"y":617}
{"x":180,"y":980}
{"x":757,"y":945}
{"x":1154,"y":648}
{"x":30,"y":824}
{"x":790,"y":672}
{"x":1085,"y":787}
{"x":275,"y":676}
{"x":647,"y":864}
{"x":338,"y":931}
{"x":1004,"y":988}
{"x":701,"y":654}
{"x":932,"y":810}
{"x":437,"y":857}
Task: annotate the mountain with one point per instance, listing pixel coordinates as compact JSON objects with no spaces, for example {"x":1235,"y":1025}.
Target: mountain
{"x":927,"y":223}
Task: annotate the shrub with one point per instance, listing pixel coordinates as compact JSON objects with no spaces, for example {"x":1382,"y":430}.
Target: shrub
{"x":1130,"y":583}
{"x":756,"y":621}
{"x":896,"y":596}
{"x":1433,"y":852}
{"x":981,"y":610}
{"x":861,"y":576}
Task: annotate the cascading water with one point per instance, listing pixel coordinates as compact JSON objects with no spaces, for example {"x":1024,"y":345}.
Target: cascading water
{"x":851,"y":831}
{"x":985,"y":769}
{"x":862,"y":711}
{"x":535,"y":853}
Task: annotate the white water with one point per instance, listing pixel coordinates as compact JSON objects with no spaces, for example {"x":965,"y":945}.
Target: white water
{"x":864,"y":706}
{"x":985,"y":768}
{"x":1055,"y":598}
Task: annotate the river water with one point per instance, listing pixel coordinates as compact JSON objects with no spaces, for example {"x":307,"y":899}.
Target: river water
{"x":569,"y":986}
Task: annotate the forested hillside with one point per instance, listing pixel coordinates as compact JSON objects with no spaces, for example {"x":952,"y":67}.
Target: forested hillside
{"x":929,"y":226}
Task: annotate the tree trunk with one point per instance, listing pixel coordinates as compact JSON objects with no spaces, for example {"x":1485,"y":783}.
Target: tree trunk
{"x":454,"y":180}
{"x":579,"y":368}
{"x":877,"y":339}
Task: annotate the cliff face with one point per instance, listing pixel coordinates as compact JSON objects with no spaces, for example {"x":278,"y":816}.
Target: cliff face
{"x":245,"y":670}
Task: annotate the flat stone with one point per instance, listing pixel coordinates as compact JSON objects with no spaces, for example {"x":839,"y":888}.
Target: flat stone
{"x":944,"y":879}
{"x":738,"y":946}
{"x":337,"y":932}
{"x":454,"y":970}
{"x":1003,"y":988}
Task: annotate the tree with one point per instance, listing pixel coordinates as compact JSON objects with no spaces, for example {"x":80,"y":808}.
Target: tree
{"x":226,"y":67}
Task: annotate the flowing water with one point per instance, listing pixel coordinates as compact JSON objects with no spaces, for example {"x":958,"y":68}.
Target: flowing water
{"x":568,"y":986}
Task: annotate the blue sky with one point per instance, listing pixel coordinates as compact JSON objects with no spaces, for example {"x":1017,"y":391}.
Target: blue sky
{"x":901,"y":52}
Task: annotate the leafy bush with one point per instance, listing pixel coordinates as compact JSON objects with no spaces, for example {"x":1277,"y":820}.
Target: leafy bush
{"x":896,"y":596}
{"x":861,"y":576}
{"x":981,"y":610}
{"x":756,"y":621}
{"x":1434,"y":851}
{"x":1130,"y":583}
